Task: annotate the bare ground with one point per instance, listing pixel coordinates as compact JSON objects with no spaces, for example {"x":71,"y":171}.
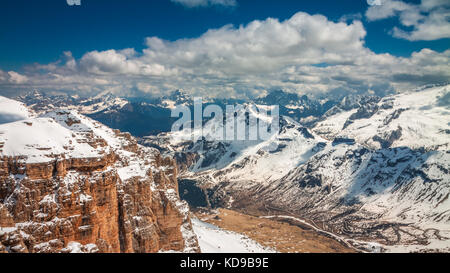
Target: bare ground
{"x":282,"y":236}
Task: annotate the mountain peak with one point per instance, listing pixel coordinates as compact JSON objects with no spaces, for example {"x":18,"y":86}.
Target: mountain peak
{"x":178,"y":97}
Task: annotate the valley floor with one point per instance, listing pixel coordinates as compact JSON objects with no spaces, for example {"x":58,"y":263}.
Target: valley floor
{"x":213,"y":239}
{"x":271,"y":234}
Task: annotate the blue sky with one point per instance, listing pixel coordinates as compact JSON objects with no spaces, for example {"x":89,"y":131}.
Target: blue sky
{"x":35,"y":34}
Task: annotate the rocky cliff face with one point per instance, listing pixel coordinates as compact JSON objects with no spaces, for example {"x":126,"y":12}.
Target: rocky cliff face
{"x":69,"y":184}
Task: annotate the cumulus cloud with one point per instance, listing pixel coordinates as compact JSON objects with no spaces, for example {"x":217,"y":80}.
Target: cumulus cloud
{"x":17,"y":78}
{"x":304,"y":54}
{"x":429,"y":20}
{"x":262,"y":46}
{"x":119,"y":62}
{"x":205,"y":3}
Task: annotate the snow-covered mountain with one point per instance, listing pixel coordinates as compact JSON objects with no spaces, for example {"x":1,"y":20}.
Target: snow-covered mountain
{"x":41,"y":102}
{"x":69,"y":184}
{"x":138,"y":117}
{"x":370,"y":170}
{"x":295,"y":106}
{"x":413,"y":120}
{"x":177,"y":98}
{"x":151,"y":116}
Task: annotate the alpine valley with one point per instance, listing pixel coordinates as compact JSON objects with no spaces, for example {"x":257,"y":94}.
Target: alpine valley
{"x":358,"y":173}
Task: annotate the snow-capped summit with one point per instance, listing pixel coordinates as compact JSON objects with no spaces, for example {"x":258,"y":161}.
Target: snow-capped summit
{"x":107,"y":102}
{"x":296,"y":106}
{"x":415,"y":120}
{"x":176,"y":98}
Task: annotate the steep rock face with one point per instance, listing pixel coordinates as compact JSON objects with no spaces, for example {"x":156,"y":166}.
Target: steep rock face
{"x":82,"y":187}
{"x":151,"y":214}
{"x":51,"y":211}
{"x":186,"y":160}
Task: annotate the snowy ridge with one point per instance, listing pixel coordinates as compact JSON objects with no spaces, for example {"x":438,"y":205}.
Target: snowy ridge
{"x":256,"y":160}
{"x":416,"y":119}
{"x":101,"y":103}
{"x":377,"y":173}
{"x":42,"y":103}
{"x":49,"y":139}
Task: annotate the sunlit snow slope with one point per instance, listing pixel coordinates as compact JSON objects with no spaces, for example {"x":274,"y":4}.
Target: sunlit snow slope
{"x":215,"y":240}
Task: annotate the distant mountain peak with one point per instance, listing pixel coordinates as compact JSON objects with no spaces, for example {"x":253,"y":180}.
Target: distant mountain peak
{"x":176,"y":97}
{"x":105,"y":95}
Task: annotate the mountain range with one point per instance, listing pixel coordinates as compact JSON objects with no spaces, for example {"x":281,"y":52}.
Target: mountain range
{"x":143,"y":116}
{"x":371,"y":172}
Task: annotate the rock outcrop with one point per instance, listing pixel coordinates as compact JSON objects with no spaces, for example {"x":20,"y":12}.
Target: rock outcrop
{"x":82,"y":187}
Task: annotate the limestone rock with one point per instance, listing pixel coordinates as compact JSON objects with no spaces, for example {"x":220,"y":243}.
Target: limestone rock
{"x":87,"y":188}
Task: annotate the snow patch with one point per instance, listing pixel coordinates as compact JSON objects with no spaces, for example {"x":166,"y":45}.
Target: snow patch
{"x":212,"y":239}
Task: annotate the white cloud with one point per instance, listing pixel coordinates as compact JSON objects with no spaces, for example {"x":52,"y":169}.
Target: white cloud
{"x":386,"y":9}
{"x":429,"y":19}
{"x":262,"y":46}
{"x":2,"y":76}
{"x":205,"y":3}
{"x":119,"y":62}
{"x":304,"y":54}
{"x":17,"y":78}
